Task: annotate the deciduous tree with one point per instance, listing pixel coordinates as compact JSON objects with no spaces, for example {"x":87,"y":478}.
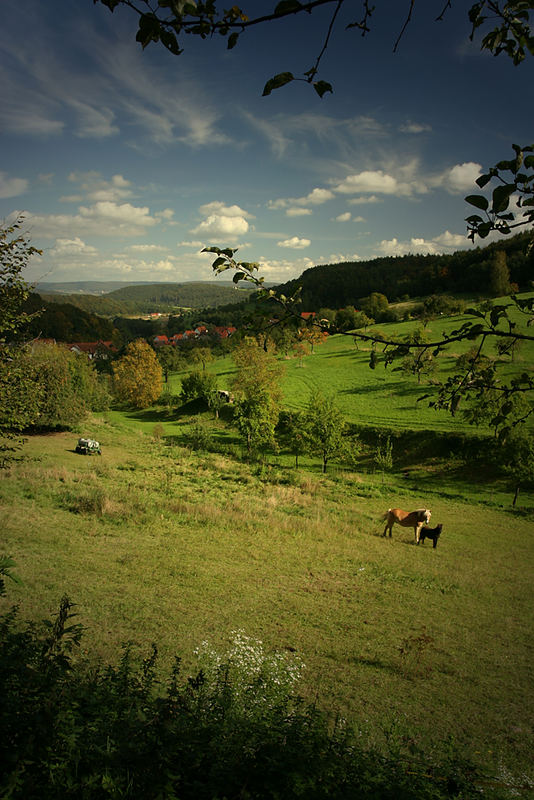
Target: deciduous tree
{"x":257,"y":394}
{"x":137,"y":376}
{"x":325,"y":428}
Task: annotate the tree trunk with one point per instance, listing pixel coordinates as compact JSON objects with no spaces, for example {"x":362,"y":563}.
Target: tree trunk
{"x":515,"y":495}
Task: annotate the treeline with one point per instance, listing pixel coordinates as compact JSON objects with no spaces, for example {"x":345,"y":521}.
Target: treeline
{"x":142,"y":299}
{"x":65,"y":322}
{"x":403,"y":277}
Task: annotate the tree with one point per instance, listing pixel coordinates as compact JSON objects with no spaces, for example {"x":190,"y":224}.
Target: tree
{"x":500,"y":275}
{"x":201,"y":355}
{"x":257,"y":394}
{"x":137,"y":376}
{"x":15,"y":254}
{"x":518,"y":459}
{"x":383,"y":456}
{"x":18,"y":392}
{"x":198,"y":385}
{"x":419,"y":361}
{"x":170,"y":360}
{"x":325,"y":427}
{"x":295,"y":427}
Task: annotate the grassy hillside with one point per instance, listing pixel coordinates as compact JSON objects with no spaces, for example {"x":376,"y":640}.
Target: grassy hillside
{"x":158,"y":542}
{"x":155,"y":542}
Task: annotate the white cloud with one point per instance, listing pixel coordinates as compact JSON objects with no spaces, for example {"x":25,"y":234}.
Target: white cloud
{"x":371,"y":181}
{"x":216,"y":207}
{"x":101,"y":219}
{"x":216,"y":225}
{"x":146,"y":248}
{"x":343,"y":217}
{"x":340,"y":258}
{"x":460,"y":178}
{"x":222,"y":222}
{"x":298,"y":212}
{"x":196,"y":243}
{"x":295,"y":243}
{"x":454,"y":240}
{"x":360,"y":201}
{"x":281,"y":271}
{"x":95,"y":188}
{"x":316,"y":197}
{"x":72,"y":247}
{"x":442,"y":243}
{"x":11,"y":187}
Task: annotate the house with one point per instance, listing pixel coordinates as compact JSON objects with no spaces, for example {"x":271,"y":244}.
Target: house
{"x":160,"y":340}
{"x":94,"y":350}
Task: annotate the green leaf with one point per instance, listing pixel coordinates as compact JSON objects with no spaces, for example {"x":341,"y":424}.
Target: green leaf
{"x":321,"y":87}
{"x":232,"y":40}
{"x":275,"y":83}
{"x":239,"y":277}
{"x":478,"y":201}
{"x":501,"y":197}
{"x":483,"y":180}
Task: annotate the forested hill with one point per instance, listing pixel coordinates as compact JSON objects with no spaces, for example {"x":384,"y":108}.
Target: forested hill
{"x":163,"y":297}
{"x":463,"y":272}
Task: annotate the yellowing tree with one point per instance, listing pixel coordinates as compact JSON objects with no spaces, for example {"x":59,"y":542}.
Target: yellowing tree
{"x":137,"y":376}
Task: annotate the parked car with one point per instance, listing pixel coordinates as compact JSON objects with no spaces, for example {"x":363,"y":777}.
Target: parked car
{"x":88,"y":447}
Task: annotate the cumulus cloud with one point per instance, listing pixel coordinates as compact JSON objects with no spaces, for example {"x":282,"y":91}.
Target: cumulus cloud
{"x":216,"y":207}
{"x":343,"y":217}
{"x":295,"y":243}
{"x":72,"y":247}
{"x":443,"y":243}
{"x":219,"y":225}
{"x":93,"y":187}
{"x":222,"y":221}
{"x":371,"y":181}
{"x":316,"y":197}
{"x":104,"y":218}
{"x":11,"y":187}
{"x":461,"y":177}
{"x":280,"y":271}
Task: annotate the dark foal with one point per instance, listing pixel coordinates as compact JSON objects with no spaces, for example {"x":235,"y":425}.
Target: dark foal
{"x":431,"y":533}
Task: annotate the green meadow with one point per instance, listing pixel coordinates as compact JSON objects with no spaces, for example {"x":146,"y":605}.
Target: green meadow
{"x":157,"y":541}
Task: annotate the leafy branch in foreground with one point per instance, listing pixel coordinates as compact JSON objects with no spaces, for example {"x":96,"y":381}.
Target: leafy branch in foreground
{"x":515,"y":181}
{"x":168,"y":20}
{"x":503,"y":403}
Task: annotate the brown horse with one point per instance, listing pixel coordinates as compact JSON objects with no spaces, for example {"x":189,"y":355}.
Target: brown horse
{"x":407,"y":519}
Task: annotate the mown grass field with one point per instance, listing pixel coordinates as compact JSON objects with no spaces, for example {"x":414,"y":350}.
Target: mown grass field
{"x":158,"y":542}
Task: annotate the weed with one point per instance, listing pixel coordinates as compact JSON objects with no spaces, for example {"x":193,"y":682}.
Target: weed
{"x":414,"y":652}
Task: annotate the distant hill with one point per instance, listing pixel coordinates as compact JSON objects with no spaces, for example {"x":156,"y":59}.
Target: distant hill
{"x":83,"y":287}
{"x":142,"y":298}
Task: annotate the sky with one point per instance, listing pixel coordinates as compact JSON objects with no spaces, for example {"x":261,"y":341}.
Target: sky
{"x":125,"y":163}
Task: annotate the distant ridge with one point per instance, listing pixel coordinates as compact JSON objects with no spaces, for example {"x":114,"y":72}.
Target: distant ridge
{"x":105,"y":287}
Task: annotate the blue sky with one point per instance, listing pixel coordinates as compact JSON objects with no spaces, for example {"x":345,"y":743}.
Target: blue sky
{"x":126,"y":163}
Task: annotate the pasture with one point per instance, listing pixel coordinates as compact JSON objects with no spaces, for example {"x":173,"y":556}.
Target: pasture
{"x":156,"y":542}
{"x":159,"y":542}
